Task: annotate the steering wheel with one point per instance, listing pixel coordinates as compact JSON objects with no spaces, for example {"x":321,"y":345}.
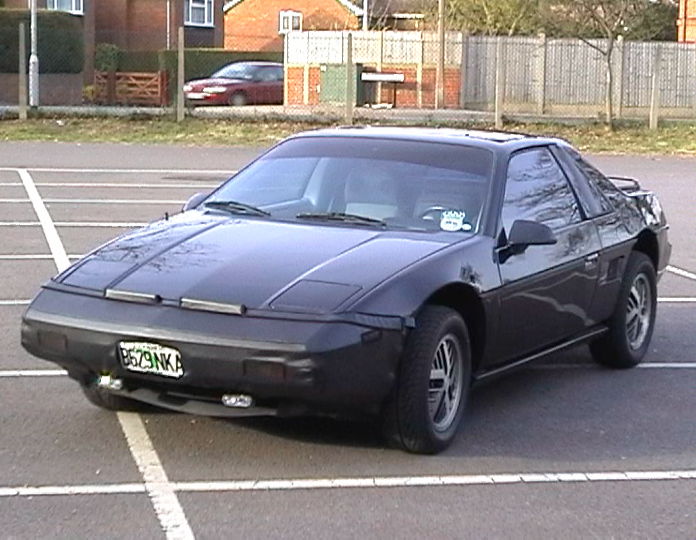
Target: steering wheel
{"x":431,"y":210}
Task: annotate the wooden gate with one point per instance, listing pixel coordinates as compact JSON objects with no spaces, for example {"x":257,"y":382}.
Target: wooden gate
{"x":131,"y":88}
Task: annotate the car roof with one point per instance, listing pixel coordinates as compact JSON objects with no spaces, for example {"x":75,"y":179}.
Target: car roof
{"x":494,"y":140}
{"x":255,"y":63}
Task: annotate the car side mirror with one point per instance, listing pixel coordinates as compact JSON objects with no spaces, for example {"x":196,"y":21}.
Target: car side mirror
{"x":523,"y":234}
{"x":193,"y":201}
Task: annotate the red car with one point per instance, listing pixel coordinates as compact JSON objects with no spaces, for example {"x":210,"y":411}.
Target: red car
{"x":239,"y":83}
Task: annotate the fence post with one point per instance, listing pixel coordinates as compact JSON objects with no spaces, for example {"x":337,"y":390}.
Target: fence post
{"x":655,"y":91}
{"x":380,"y":65}
{"x":621,"y":59}
{"x":499,"y":82}
{"x":440,"y":71}
{"x":180,"y":76}
{"x":462,"y":71}
{"x":305,"y":69}
{"x":541,"y":74}
{"x":22,"y":73}
{"x":419,"y":71}
{"x":350,"y":82}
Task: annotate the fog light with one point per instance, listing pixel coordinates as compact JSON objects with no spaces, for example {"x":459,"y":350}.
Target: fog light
{"x":107,"y":382}
{"x":239,"y":401}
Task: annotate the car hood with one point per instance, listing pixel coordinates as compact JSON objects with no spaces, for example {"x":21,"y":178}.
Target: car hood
{"x":257,"y":263}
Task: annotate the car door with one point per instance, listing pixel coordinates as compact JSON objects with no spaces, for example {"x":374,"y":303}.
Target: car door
{"x":269,"y":89}
{"x":546,"y":291}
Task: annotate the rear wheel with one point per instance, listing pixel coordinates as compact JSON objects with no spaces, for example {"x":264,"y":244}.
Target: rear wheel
{"x":106,"y":400}
{"x":238,"y":99}
{"x":427,"y":404}
{"x":631,"y":325}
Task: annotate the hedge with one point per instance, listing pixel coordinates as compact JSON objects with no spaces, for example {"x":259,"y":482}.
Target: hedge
{"x":60,"y":41}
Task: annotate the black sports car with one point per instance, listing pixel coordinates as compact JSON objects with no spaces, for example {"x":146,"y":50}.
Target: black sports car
{"x":363,"y":271}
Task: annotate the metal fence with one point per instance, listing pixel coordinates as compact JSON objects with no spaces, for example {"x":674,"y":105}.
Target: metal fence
{"x":522,"y":75}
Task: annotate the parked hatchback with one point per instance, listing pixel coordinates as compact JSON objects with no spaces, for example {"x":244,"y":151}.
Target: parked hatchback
{"x":239,"y":83}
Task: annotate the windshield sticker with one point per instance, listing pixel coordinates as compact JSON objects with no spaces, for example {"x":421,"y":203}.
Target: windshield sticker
{"x":453,"y":221}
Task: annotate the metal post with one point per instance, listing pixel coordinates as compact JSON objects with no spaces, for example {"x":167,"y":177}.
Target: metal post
{"x":541,"y":74}
{"x":366,"y":15}
{"x":180,"y":77}
{"x":655,"y":91}
{"x":33,"y":61}
{"x":350,"y":82}
{"x":440,"y":74}
{"x":22,"y":72}
{"x":621,"y":54}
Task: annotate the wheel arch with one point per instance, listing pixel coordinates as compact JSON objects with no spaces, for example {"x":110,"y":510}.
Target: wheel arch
{"x":466,"y":301}
{"x":647,"y":244}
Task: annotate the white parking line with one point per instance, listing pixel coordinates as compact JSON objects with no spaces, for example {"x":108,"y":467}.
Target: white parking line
{"x":372,"y":482}
{"x":164,"y":500}
{"x":32,"y":257}
{"x":49,"y":229}
{"x":113,"y":185}
{"x":681,"y":272}
{"x":118,"y":171}
{"x":159,"y":488}
{"x":676,"y":299}
{"x":97,"y":201}
{"x":21,"y":373}
{"x":645,"y":365}
{"x":96,"y":224}
{"x":14,"y":302}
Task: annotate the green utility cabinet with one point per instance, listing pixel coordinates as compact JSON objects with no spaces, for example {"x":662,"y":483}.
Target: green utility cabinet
{"x":333,"y":84}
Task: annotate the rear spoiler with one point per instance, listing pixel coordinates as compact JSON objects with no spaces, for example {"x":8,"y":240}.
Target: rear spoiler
{"x":625,"y":183}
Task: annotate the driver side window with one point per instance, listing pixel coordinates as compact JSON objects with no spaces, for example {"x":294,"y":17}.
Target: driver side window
{"x":538,"y":190}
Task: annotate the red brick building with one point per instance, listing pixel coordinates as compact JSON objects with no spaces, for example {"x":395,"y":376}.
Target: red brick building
{"x":259,"y":25}
{"x":686,"y":24}
{"x":153,"y":24}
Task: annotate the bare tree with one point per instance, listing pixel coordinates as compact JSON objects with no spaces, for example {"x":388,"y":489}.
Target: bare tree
{"x":491,"y":17}
{"x":608,"y":19}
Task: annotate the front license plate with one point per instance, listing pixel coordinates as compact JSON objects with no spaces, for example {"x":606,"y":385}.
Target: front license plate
{"x":144,"y":357}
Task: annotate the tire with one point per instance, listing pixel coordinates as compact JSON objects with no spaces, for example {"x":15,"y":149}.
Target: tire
{"x":238,"y":99}
{"x":417,"y":418}
{"x":111,"y":402}
{"x":632,"y":323}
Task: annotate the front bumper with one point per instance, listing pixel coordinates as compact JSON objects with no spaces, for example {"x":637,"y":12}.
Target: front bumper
{"x":288,"y":366}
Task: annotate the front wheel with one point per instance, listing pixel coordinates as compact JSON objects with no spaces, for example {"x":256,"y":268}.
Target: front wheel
{"x":238,"y":99}
{"x":632,"y":323}
{"x":427,"y":404}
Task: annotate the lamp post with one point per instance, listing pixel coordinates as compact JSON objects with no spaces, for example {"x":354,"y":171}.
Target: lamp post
{"x":33,"y":62}
{"x":366,"y":15}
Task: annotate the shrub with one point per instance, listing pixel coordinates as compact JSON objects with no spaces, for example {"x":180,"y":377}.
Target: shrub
{"x":60,"y":41}
{"x":107,"y":57}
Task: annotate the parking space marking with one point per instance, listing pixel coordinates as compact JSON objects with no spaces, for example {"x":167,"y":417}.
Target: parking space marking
{"x":375,"y":482}
{"x":111,"y":185}
{"x":54,"y":243}
{"x":81,"y":224}
{"x":126,"y":171}
{"x":159,"y":488}
{"x":681,"y":272}
{"x":676,"y":299}
{"x":97,"y":201}
{"x":164,"y":499}
{"x":14,"y":302}
{"x":19,"y":373}
{"x":645,"y":365}
{"x":32,"y":257}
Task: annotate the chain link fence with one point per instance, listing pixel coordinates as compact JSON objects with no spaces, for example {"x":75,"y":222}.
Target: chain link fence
{"x":506,"y":76}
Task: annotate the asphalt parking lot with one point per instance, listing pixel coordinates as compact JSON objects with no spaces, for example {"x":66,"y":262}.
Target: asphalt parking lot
{"x":563,"y":448}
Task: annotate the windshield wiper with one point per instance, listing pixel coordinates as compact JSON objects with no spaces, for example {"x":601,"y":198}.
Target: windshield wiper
{"x":341,"y":216}
{"x":237,"y":207}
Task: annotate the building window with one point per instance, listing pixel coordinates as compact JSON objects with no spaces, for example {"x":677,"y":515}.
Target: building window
{"x":71,"y":6}
{"x":289,"y":21}
{"x":198,"y":12}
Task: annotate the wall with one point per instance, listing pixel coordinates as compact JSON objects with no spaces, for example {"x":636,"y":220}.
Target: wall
{"x":252,"y":25}
{"x":54,"y":88}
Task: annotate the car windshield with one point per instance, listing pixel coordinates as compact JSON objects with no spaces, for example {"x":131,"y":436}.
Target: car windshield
{"x":236,"y":71}
{"x":366,"y":182}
